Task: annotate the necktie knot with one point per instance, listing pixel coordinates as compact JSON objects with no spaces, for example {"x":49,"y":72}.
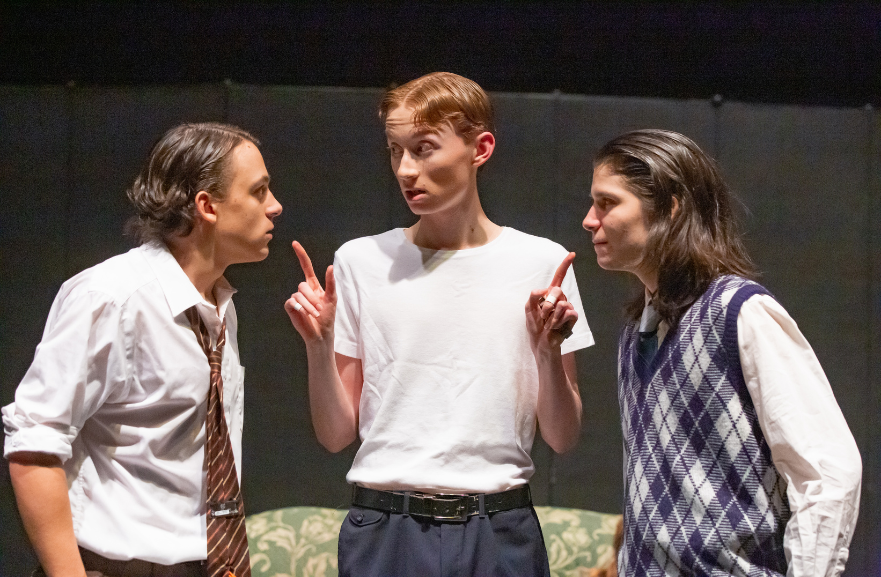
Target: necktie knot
{"x":648,"y":333}
{"x":650,"y":319}
{"x":215,"y":358}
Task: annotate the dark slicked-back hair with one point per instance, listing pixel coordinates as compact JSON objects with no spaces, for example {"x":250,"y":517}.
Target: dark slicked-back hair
{"x":701,"y":240}
{"x":185,"y":160}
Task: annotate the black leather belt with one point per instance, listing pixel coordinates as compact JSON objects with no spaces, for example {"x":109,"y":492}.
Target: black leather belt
{"x":138,"y":568}
{"x":441,"y":507}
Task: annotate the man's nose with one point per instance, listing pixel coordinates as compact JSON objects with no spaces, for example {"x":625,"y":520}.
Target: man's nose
{"x":274,"y":208}
{"x":408,"y":167}
{"x":590,"y":222}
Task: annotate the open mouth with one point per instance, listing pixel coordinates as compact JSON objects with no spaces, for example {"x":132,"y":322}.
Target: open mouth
{"x":414,"y":194}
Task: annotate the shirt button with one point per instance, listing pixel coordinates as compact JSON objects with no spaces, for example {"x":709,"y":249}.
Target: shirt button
{"x":359,"y":518}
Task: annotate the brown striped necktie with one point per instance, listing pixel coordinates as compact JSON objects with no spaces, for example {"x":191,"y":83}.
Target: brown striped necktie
{"x":225,"y":520}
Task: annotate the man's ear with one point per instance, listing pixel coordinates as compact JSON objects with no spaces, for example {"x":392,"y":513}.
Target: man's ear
{"x":205,"y":207}
{"x":675,"y":208}
{"x":484,"y":144}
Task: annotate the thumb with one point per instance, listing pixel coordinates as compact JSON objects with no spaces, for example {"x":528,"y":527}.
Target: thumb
{"x":534,"y":297}
{"x":330,"y":284}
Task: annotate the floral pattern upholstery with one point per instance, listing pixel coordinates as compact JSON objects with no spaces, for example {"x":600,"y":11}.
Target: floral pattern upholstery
{"x":576,"y":539}
{"x":302,"y":541}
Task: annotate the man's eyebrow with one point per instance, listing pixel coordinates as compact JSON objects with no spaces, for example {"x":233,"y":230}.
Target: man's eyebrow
{"x":424,"y":129}
{"x":419,"y":131}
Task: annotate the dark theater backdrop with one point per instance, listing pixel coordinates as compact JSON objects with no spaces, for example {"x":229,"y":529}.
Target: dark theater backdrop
{"x":805,"y":162}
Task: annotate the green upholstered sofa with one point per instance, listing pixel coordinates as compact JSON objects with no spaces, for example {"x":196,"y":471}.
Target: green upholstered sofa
{"x":302,"y":541}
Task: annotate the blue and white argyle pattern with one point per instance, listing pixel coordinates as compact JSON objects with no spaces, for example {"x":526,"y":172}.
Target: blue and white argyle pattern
{"x":702,"y":496}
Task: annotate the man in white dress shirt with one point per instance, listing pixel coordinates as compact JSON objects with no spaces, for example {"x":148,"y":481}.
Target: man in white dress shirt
{"x":738,"y":460}
{"x":106,"y":435}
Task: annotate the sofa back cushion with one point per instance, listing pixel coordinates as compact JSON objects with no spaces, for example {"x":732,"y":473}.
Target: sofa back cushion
{"x":302,"y":541}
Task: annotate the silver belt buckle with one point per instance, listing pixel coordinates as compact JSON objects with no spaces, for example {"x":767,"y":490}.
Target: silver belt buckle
{"x":461,"y":508}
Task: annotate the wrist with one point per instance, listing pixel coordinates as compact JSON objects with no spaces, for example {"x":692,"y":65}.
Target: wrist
{"x":546,"y":352}
{"x":321,"y":345}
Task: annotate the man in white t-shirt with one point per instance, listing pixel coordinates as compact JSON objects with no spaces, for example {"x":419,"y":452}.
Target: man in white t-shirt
{"x":421,"y":344}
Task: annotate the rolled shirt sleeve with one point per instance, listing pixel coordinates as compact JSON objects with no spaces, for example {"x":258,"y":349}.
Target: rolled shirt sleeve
{"x":811,"y":444}
{"x":78,"y":365}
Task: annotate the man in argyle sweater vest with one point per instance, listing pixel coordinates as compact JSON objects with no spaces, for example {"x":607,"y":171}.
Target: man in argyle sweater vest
{"x":701,"y":490}
{"x":738,"y":460}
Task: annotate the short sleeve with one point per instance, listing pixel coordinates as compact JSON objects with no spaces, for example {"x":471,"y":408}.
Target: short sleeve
{"x":79,"y":361}
{"x":581,"y":336}
{"x":346,"y":326}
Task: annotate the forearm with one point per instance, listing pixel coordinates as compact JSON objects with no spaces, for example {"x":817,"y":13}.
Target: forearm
{"x":817,"y":536}
{"x":333,"y":410}
{"x":559,"y":403}
{"x":40,"y":487}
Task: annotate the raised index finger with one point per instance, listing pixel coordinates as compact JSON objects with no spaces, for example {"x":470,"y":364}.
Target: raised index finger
{"x":306,"y":265}
{"x":561,"y":270}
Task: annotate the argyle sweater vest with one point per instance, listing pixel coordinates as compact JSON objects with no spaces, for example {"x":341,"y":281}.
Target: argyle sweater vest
{"x":702,"y":496}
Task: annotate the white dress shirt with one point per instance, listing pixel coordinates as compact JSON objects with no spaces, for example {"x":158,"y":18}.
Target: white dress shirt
{"x":118,"y":391}
{"x":811,"y":444}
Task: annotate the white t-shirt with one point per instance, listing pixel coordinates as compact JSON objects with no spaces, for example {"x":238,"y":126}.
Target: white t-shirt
{"x":450,"y":381}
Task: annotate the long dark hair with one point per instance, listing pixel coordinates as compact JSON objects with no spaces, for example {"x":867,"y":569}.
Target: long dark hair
{"x":698,"y":243}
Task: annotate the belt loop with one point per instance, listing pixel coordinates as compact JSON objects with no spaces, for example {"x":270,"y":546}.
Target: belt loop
{"x":481,"y":504}
{"x":406,"y":504}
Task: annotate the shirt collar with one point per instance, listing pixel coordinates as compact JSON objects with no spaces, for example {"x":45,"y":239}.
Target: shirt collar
{"x":179,"y":291}
{"x":650,"y":318}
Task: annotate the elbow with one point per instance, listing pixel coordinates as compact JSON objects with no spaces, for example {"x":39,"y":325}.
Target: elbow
{"x":335,"y":443}
{"x":846,"y":468}
{"x":565,"y":447}
{"x":562,"y":434}
{"x":854,"y":471}
{"x":563,"y":443}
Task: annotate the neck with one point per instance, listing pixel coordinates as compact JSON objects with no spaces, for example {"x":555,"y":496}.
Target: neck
{"x":197,"y":258}
{"x":650,"y":280}
{"x":456,"y":229}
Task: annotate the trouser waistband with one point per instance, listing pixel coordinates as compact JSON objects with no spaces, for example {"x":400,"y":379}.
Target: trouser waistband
{"x":441,"y":507}
{"x":139,"y":568}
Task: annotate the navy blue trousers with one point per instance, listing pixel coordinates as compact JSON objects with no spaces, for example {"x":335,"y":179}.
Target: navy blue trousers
{"x":504,"y":544}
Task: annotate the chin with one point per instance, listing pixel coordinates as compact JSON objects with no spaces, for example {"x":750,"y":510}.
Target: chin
{"x":257,"y":256}
{"x":606,"y":264}
{"x":419,"y":210}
